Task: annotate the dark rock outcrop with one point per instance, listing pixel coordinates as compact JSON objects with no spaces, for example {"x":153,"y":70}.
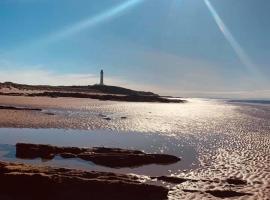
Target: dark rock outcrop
{"x":221,"y":193}
{"x":234,"y":181}
{"x":24,"y":182}
{"x":171,"y":179}
{"x":109,"y":97}
{"x":19,"y":108}
{"x":109,"y":157}
{"x":179,"y":180}
{"x":226,"y":193}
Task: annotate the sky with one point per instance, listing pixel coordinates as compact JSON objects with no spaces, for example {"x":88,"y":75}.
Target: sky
{"x":190,"y":48}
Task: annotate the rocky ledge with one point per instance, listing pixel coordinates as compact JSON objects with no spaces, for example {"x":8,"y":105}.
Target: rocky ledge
{"x":109,"y":157}
{"x":19,"y":108}
{"x":101,"y":97}
{"x":109,"y":97}
{"x":24,"y":182}
{"x":226,"y":193}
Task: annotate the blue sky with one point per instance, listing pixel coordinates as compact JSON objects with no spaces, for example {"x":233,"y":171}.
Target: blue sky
{"x":198,"y":48}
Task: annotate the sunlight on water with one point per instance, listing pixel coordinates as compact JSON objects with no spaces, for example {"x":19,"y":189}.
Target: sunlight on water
{"x":216,"y":139}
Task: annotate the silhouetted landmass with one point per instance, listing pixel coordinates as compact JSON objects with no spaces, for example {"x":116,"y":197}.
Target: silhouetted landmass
{"x":24,"y":182}
{"x":109,"y":157}
{"x":100,"y":92}
{"x":109,"y":97}
{"x":90,"y":88}
{"x":120,"y":90}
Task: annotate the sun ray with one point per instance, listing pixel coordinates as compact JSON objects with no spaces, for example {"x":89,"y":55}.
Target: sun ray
{"x":82,"y":25}
{"x":92,"y":21}
{"x":242,"y":55}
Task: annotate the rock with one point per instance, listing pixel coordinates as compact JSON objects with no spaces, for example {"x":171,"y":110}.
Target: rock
{"x":226,"y":193}
{"x":31,"y":151}
{"x":192,"y":191}
{"x":24,"y":182}
{"x":107,"y":118}
{"x":19,"y":108}
{"x":48,"y":113}
{"x":67,"y":155}
{"x":234,"y":181}
{"x":101,"y":115}
{"x":221,"y":193}
{"x":171,"y":179}
{"x":109,"y":157}
{"x":108,"y":97}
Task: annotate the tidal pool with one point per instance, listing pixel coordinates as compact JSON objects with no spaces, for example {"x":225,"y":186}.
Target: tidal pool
{"x":149,"y":143}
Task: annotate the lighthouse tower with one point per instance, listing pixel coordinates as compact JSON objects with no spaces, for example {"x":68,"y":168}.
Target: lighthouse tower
{"x":101,"y":78}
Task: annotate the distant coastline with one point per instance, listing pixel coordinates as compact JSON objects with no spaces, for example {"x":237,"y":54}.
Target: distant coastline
{"x":266,"y":102}
{"x":100,"y":92}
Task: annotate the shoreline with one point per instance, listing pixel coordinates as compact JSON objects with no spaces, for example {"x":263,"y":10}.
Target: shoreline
{"x":197,"y":131}
{"x":65,"y":112}
{"x":101,"y":97}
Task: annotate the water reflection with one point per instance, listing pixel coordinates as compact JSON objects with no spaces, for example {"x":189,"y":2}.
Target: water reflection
{"x":150,"y":143}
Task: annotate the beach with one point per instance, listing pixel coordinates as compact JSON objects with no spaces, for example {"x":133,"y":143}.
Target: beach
{"x":216,"y":140}
{"x":134,"y":100}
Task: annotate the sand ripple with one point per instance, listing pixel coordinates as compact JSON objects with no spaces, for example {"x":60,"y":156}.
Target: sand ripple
{"x":232,"y":140}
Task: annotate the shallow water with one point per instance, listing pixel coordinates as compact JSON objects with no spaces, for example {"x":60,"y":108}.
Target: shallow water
{"x":146,"y":142}
{"x":215,"y":138}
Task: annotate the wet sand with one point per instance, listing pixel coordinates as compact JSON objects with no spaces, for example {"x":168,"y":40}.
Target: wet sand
{"x":229,"y":140}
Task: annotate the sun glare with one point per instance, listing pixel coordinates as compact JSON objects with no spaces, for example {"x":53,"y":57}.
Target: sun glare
{"x":242,"y":55}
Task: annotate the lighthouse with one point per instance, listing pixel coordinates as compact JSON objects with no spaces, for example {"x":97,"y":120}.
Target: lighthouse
{"x":101,"y":77}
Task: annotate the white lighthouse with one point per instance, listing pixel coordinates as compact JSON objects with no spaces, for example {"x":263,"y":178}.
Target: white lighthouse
{"x":101,"y":78}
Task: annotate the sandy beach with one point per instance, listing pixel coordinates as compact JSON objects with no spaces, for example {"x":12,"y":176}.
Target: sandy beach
{"x":134,"y":100}
{"x":216,"y":140}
